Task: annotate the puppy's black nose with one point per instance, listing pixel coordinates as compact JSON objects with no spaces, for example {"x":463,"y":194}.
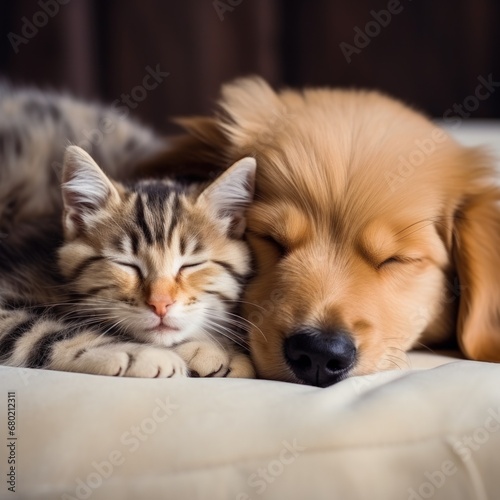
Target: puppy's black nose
{"x":318,"y":357}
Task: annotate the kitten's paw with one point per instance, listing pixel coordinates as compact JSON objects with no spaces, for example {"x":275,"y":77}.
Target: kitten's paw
{"x":241,"y":367}
{"x":205,"y":359}
{"x":154,"y":362}
{"x":127,"y":360}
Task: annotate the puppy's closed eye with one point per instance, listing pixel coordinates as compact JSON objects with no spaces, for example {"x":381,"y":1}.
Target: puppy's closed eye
{"x":398,"y":259}
{"x":389,"y":261}
{"x":281,"y":247}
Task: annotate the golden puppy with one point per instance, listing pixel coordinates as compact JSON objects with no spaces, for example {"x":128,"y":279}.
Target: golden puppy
{"x":373,"y":230}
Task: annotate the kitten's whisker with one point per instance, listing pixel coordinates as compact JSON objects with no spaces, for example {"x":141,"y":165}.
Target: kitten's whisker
{"x":241,"y":318}
{"x":213,"y":337}
{"x":229,"y":322}
{"x":243,"y":302}
{"x":249,"y":322}
{"x":219,"y":329}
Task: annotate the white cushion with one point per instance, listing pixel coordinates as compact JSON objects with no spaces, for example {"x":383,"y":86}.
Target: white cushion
{"x":396,"y":435}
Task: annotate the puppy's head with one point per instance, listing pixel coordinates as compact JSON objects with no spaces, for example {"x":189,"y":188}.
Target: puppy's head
{"x":373,"y":231}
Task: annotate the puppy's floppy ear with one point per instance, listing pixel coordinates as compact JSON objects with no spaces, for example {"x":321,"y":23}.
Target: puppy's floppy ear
{"x":477,"y":261}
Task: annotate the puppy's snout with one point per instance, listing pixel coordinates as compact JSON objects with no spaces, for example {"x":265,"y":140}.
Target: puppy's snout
{"x":318,"y":357}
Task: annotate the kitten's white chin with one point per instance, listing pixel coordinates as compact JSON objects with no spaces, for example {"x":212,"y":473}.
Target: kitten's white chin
{"x":162,"y":328}
{"x":164,"y":337}
{"x":168,"y":331}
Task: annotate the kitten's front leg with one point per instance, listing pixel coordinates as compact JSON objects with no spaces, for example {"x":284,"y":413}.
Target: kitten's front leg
{"x":101,"y":356}
{"x":208,"y":359}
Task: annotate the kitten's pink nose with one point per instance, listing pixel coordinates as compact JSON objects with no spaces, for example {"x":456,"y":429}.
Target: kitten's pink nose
{"x":160,"y":303}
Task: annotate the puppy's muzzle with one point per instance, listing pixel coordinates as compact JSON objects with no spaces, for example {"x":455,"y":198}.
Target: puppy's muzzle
{"x":320,"y":357}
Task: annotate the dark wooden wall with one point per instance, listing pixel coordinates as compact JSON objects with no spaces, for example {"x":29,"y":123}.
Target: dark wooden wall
{"x":430,"y":53}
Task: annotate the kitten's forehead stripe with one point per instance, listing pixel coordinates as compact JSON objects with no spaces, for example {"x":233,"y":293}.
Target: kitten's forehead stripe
{"x":134,"y":240}
{"x":158,"y":217}
{"x":156,"y":192}
{"x":141,"y":220}
{"x":156,"y":195}
{"x":151,"y":204}
{"x":118,"y":244}
{"x":182,"y":244}
{"x":199,"y":247}
{"x":176,"y":206}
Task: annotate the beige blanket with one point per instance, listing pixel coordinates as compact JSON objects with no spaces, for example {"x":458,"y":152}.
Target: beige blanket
{"x":411,"y":434}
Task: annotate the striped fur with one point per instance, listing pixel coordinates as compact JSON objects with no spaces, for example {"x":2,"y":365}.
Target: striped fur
{"x":36,"y":127}
{"x":80,"y":273}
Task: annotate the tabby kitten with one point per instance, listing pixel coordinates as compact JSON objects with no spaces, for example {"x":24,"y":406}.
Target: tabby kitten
{"x":136,"y":279}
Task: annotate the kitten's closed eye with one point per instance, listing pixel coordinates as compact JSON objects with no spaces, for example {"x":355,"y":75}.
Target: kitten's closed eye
{"x":130,"y":265}
{"x":190,"y":266}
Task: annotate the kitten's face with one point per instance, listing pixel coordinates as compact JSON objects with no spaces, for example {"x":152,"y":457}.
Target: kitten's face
{"x":156,"y":262}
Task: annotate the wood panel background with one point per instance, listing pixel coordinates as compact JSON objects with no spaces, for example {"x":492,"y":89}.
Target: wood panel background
{"x":431,"y":53}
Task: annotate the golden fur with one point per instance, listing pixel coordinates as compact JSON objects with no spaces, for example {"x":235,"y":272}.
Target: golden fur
{"x":367,"y":217}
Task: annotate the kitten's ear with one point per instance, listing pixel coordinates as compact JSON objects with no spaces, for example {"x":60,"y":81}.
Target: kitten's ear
{"x":85,"y":190}
{"x":230,"y":195}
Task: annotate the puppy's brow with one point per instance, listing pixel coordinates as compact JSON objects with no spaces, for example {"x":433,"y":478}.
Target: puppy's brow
{"x":376,"y":241}
{"x":414,"y":227}
{"x":284,"y":222}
